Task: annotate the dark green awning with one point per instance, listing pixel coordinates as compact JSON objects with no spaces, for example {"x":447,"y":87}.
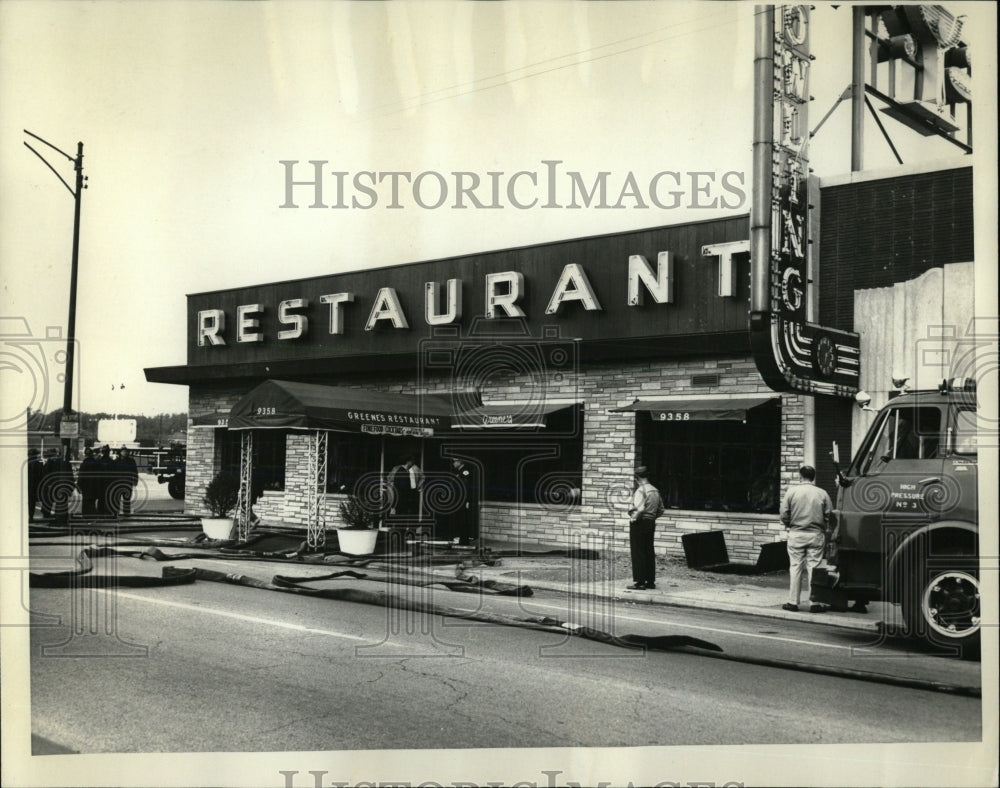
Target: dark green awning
{"x":282,"y":404}
{"x":513,"y":416}
{"x":217,"y":419}
{"x":733,"y":408}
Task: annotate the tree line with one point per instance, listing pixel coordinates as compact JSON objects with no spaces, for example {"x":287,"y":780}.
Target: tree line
{"x":149,"y":430}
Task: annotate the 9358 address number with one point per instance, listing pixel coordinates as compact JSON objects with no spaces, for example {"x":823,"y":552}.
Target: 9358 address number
{"x":673,"y":416}
{"x":266,"y":411}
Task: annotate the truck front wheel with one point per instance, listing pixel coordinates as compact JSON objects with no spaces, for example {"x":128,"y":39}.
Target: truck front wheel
{"x":176,"y":487}
{"x":944,"y":609}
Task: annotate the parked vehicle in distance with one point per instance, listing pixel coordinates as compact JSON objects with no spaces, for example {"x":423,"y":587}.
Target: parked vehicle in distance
{"x":907,"y":521}
{"x":169,"y":465}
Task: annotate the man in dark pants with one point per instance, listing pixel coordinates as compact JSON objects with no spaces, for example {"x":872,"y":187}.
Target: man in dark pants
{"x":88,"y":482}
{"x":127,"y":477}
{"x":36,"y":470}
{"x":45,"y":485}
{"x":466,"y":521}
{"x":104,"y":486}
{"x":409,"y":501}
{"x":399,"y":480}
{"x":646,"y":507}
{"x":57,"y":487}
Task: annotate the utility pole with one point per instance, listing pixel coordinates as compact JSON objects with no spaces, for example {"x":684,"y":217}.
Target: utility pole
{"x":858,"y":88}
{"x":81,"y":184}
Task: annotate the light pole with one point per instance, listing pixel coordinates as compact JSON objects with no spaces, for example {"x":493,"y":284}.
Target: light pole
{"x":81,"y":184}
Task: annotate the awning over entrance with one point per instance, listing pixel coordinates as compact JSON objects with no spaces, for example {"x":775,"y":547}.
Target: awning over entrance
{"x":282,"y":404}
{"x":703,"y":409}
{"x":507,"y":416}
{"x":217,"y":419}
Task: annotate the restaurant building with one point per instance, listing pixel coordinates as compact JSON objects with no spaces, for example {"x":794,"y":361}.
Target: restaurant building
{"x":555,"y":368}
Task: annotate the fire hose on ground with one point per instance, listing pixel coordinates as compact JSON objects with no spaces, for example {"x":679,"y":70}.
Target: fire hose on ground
{"x":83,"y":576}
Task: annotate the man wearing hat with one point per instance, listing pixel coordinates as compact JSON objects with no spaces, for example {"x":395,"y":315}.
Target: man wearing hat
{"x":57,"y":487}
{"x":47,"y":481}
{"x":126,"y":478}
{"x":88,"y":482}
{"x":105,"y":486}
{"x":647,"y":505}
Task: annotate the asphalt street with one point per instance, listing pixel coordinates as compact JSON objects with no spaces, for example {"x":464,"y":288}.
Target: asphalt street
{"x":215,"y":667}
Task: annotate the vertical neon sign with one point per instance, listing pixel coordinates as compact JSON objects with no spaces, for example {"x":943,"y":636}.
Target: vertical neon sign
{"x":790,"y":353}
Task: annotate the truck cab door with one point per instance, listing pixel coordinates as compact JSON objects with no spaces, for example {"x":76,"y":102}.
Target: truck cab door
{"x":898,"y":480}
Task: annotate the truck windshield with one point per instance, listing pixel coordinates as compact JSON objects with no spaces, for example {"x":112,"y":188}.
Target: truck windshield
{"x":903,"y":433}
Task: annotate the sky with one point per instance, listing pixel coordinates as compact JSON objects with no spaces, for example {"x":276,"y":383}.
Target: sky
{"x":186,"y":110}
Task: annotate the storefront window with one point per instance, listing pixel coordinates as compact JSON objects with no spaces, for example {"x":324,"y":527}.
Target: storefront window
{"x":268,"y":456}
{"x":721,"y":465}
{"x":349,"y":457}
{"x":543,"y":467}
{"x":518,"y":466}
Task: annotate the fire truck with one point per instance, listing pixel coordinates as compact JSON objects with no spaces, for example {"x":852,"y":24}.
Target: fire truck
{"x":906,"y":525}
{"x":169,"y":465}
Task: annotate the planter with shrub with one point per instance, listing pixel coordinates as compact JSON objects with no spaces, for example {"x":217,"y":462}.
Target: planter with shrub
{"x":220,"y":499}
{"x":358,"y":534}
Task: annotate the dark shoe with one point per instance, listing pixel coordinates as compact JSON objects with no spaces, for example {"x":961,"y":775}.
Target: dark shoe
{"x":650,"y":586}
{"x":859,"y":607}
{"x":817,"y":609}
{"x":790,"y":606}
{"x":636,"y":587}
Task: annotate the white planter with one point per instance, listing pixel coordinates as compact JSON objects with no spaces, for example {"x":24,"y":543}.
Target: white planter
{"x":217,"y":527}
{"x":357,"y":542}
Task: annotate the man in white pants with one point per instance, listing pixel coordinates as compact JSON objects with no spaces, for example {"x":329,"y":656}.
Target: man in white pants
{"x":805,"y":511}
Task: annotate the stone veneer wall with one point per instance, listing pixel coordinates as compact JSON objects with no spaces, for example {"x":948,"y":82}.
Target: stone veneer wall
{"x":203,"y":456}
{"x":609,"y":455}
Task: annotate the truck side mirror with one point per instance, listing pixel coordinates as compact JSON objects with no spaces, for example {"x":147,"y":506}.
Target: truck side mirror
{"x":842,"y":481}
{"x":863,"y":398}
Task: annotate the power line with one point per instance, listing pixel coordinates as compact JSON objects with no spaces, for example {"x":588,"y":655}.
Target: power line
{"x":507,"y":80}
{"x":539,"y":63}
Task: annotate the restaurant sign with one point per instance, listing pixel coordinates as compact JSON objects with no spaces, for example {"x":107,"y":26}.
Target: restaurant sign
{"x":397,"y":431}
{"x":600,"y":291}
{"x":790,"y":352}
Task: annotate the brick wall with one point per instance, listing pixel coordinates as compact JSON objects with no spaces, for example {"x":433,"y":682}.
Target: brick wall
{"x":609,"y":455}
{"x":538,"y":525}
{"x":876,"y":233}
{"x":203,"y":455}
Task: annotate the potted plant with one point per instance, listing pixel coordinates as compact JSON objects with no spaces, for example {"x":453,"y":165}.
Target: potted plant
{"x":358,"y":534}
{"x":220,"y":499}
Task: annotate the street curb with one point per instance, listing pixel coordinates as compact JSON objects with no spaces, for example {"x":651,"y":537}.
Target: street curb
{"x":828,"y":619}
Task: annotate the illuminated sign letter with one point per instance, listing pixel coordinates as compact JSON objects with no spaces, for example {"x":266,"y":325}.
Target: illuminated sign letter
{"x":386,"y":307}
{"x":573,"y":285}
{"x":726,"y":252}
{"x":299,"y":323}
{"x":248,"y":326}
{"x":659,"y":285}
{"x":336,"y":316}
{"x":454,"y":311}
{"x":791,"y":353}
{"x":505,"y":301}
{"x":211,"y":324}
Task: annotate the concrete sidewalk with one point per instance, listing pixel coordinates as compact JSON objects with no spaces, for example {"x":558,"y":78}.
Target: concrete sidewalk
{"x":606,"y":577}
{"x":756,"y":595}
